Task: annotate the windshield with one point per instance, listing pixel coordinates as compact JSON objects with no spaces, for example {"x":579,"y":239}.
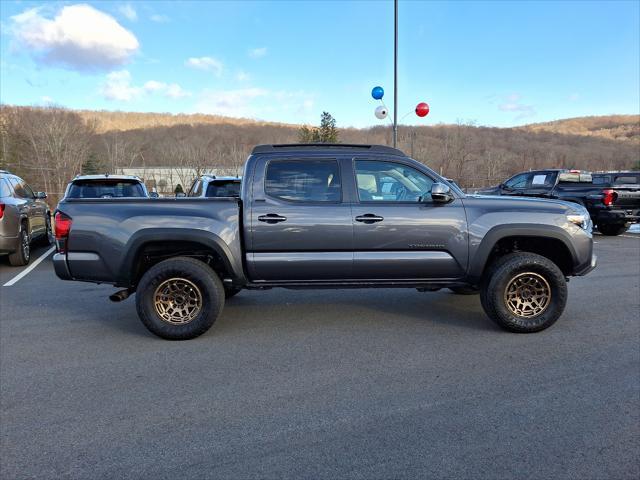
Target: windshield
{"x":106,"y":189}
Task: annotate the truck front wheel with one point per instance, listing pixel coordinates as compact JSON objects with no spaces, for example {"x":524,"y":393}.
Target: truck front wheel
{"x":179,"y":298}
{"x":524,"y":292}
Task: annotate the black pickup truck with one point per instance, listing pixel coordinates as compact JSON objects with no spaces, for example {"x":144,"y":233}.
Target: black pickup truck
{"x":326,"y":216}
{"x":613,"y":200}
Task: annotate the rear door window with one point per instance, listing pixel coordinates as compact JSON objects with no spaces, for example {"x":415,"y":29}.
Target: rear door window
{"x":625,"y":180}
{"x":304,"y":180}
{"x":105,"y":189}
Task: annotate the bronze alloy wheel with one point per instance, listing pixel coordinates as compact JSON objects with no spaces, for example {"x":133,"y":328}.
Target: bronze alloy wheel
{"x":177,"y":301}
{"x":527,"y":295}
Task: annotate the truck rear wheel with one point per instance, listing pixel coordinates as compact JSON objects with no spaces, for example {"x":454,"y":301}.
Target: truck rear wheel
{"x":524,"y":292}
{"x":179,"y":298}
{"x":612,"y":229}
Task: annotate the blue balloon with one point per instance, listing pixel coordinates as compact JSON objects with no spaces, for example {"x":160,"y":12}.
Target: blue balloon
{"x":377,"y":93}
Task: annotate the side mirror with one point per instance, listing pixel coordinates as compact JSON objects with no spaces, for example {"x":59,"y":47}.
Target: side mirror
{"x":154,"y":194}
{"x":441,"y":193}
{"x":40,"y":195}
{"x":180,"y":195}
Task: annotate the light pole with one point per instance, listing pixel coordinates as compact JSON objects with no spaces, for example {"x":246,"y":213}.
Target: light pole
{"x":395,"y":73}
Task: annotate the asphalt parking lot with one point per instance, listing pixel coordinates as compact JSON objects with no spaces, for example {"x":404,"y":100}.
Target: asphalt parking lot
{"x":322,"y":384}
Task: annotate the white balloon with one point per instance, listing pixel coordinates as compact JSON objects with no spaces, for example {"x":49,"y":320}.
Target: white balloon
{"x":381,"y":112}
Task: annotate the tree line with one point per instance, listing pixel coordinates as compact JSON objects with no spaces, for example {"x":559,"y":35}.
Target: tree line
{"x":49,"y":146}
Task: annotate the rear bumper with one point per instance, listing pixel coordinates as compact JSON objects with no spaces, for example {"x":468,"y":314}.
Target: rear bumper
{"x":60,"y":266}
{"x":618,"y":216}
{"x":9,"y":244}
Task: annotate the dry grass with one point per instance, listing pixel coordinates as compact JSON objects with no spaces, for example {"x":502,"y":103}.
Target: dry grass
{"x":625,"y":128}
{"x":107,"y":121}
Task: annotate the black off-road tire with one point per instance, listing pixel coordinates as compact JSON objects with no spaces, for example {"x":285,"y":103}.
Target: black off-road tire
{"x":466,"y":290}
{"x":21,"y":256}
{"x":612,"y":229}
{"x":231,"y":291}
{"x":508,"y":268}
{"x":197,"y":273}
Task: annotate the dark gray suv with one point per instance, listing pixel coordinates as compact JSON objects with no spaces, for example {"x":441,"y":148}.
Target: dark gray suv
{"x":24,"y":218}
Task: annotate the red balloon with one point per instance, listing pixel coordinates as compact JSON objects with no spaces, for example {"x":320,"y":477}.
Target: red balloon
{"x":422,"y":109}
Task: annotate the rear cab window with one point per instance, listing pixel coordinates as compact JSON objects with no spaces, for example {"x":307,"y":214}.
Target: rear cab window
{"x":304,"y":180}
{"x":106,"y":189}
{"x":223,"y":188}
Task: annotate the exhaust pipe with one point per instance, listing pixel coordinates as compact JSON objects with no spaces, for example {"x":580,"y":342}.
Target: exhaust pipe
{"x":121,"y":295}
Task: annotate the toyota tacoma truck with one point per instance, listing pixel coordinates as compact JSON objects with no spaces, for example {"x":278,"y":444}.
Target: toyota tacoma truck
{"x":326,"y":216}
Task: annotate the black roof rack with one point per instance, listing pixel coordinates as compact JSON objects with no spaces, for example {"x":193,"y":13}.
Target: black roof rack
{"x":318,"y":146}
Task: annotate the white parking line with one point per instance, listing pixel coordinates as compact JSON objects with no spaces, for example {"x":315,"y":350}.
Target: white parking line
{"x":629,"y":236}
{"x":35,"y":263}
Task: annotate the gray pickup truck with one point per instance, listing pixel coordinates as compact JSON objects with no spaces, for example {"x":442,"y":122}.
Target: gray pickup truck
{"x":326,"y":216}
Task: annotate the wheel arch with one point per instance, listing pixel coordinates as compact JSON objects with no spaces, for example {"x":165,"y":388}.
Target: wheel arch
{"x":160,"y":244}
{"x":547,"y":240}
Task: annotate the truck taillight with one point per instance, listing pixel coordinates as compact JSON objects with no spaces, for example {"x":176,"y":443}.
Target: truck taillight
{"x":609,"y":197}
{"x":1,"y":209}
{"x":63,"y":226}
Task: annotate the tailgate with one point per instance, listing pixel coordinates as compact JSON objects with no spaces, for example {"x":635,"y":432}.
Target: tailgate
{"x":628,"y":197}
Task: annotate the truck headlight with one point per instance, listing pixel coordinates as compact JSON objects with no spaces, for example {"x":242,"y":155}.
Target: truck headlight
{"x":579,"y":219}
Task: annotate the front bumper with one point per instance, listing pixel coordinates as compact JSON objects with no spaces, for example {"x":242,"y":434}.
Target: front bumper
{"x":60,"y":266}
{"x":587,"y":267}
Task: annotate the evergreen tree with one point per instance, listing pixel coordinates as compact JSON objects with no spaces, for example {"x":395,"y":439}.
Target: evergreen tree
{"x":91,"y":165}
{"x":328,"y":131}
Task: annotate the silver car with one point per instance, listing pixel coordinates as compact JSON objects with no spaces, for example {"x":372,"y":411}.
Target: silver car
{"x":24,"y":218}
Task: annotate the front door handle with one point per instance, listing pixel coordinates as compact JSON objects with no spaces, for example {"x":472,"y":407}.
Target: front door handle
{"x":271,"y":218}
{"x":369,"y":218}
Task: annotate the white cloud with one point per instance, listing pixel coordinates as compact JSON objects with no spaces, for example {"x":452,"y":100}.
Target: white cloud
{"x":79,"y":37}
{"x":513,"y":104}
{"x":574,"y":97}
{"x":118,"y":86}
{"x":128,"y":12}
{"x":258,"y":52}
{"x":208,"y":64}
{"x":171,"y":90}
{"x":259,"y":103}
{"x":46,"y":100}
{"x":158,"y":18}
{"x":242,"y":76}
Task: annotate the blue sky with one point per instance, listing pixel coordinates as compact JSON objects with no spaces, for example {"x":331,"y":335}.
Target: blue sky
{"x":496,"y":63}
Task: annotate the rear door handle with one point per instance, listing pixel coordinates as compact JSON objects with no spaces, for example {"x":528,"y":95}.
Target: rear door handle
{"x":272,"y":218}
{"x":369,"y":218}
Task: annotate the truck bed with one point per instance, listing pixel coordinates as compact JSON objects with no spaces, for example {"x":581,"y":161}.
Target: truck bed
{"x":108,"y":235}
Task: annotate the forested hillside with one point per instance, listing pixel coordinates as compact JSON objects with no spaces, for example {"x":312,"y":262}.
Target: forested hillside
{"x":48,"y":146}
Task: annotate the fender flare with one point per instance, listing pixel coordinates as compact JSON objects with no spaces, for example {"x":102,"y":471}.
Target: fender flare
{"x":497,"y":233}
{"x":138,"y":240}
